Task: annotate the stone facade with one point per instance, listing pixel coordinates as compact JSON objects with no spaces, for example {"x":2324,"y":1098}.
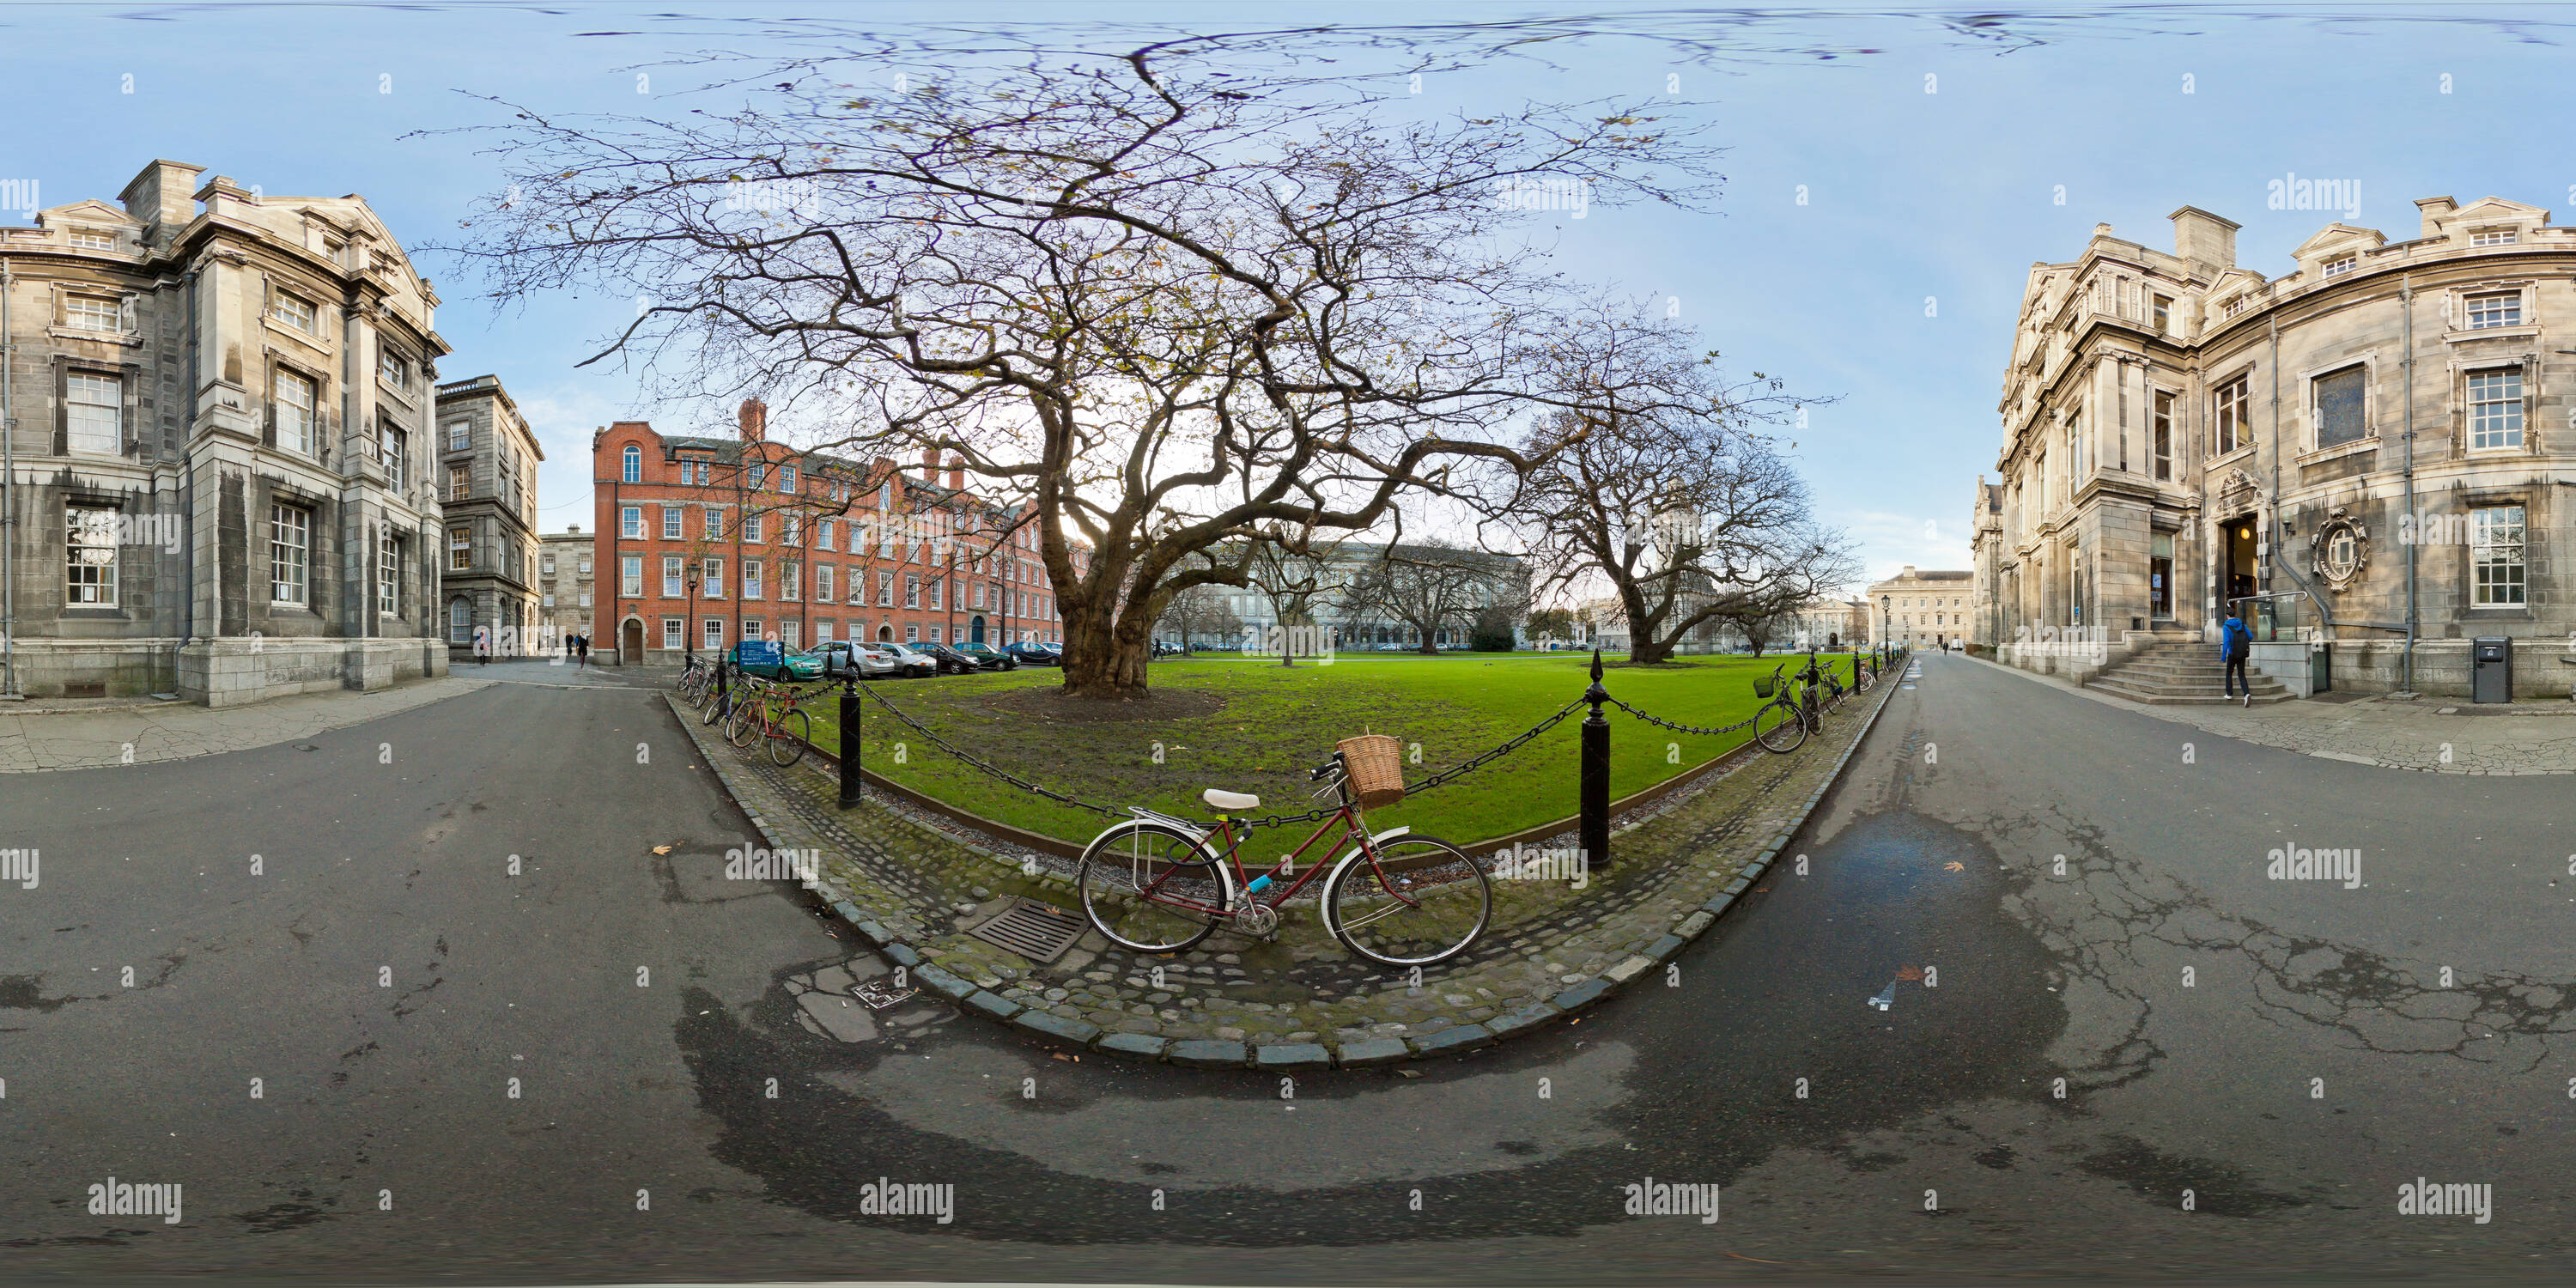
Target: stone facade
{"x":487,"y":553}
{"x":1924,"y":609}
{"x":567,"y":584}
{"x":2182,"y":433}
{"x":221,"y":433}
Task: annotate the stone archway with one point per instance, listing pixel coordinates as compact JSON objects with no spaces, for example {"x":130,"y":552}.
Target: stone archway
{"x":630,"y":642}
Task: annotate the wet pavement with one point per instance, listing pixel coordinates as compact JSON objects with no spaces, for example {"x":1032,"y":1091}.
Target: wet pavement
{"x":720,"y":1116}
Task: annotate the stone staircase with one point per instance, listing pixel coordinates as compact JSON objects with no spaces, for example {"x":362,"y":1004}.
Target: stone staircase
{"x":2181,"y":673}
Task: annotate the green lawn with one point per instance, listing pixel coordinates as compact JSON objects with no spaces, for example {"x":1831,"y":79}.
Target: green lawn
{"x":1278,"y":722}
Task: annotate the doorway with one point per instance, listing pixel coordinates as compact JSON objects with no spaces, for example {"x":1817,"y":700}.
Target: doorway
{"x":2235,"y":561}
{"x":2160,"y":559}
{"x":975,"y":630}
{"x":630,"y":644}
{"x":885,"y":634}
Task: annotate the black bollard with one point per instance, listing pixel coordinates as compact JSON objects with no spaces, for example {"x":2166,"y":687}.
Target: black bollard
{"x":850,"y":781}
{"x":1595,"y":804}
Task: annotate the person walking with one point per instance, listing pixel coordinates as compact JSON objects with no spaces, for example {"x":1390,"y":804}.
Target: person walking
{"x":580,"y":651}
{"x":482,"y":646}
{"x":2234,"y":643}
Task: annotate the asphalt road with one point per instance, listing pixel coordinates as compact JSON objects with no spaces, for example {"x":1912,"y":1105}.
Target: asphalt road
{"x":385,"y":976}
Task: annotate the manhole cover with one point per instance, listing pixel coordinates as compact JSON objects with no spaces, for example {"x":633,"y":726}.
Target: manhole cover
{"x":1037,"y":931}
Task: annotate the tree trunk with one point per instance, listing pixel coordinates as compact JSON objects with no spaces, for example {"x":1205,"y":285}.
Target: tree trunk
{"x":1649,"y":652}
{"x":1100,"y":660}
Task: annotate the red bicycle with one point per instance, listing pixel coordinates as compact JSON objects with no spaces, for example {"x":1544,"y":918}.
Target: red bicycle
{"x":1162,"y":884}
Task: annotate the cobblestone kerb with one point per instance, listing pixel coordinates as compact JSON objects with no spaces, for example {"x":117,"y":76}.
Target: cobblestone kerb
{"x":910,"y":886}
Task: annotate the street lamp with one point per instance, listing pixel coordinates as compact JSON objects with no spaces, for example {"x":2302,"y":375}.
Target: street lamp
{"x":689,"y":628}
{"x":1886,"y":620}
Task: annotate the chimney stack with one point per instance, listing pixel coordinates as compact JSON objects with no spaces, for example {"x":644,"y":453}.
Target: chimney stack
{"x":956,"y":472}
{"x":754,"y":418}
{"x":930,"y":465}
{"x":2435,"y":210}
{"x":2204,"y":238}
{"x":162,"y":196}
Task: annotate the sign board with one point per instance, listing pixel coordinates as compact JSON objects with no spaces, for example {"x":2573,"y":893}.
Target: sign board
{"x":756,"y":653}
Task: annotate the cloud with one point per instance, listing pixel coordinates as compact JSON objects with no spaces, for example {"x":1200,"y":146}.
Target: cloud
{"x":1889,"y":541}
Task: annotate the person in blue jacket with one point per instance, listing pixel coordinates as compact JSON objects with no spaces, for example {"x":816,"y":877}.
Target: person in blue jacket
{"x":2234,"y":643}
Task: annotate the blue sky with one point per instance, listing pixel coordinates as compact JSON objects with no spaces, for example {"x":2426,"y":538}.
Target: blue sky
{"x":1947,"y":195}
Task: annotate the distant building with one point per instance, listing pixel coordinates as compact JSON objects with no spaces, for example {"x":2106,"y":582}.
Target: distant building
{"x":1496,"y":580}
{"x":487,"y":563}
{"x":221,"y":456}
{"x":1924,"y":609}
{"x":799,"y":547}
{"x":567,"y":581}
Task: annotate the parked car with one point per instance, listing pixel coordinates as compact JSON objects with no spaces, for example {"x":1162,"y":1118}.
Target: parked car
{"x":1035,"y":655}
{"x":791,"y":667}
{"x":908,"y":660}
{"x":987,"y":656}
{"x":838,"y":655}
{"x":951,"y":662}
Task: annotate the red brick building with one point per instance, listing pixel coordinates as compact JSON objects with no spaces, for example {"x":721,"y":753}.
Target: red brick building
{"x":798,"y":547}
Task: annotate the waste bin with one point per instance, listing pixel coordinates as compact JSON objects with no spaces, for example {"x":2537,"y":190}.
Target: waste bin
{"x":2490,"y":670}
{"x":2320,"y":668}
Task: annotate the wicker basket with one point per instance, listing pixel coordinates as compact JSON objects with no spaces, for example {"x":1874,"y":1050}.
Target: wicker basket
{"x":1762,"y":687}
{"x":1375,"y":765}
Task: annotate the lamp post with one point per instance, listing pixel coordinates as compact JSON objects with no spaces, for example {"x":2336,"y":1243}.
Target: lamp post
{"x":1886,"y":619}
{"x":689,"y":628}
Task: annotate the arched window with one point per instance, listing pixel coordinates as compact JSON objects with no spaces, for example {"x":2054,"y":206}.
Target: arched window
{"x":460,"y":621}
{"x":634,"y":463}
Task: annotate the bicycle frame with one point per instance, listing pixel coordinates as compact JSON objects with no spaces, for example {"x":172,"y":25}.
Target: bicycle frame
{"x":1347,"y":818}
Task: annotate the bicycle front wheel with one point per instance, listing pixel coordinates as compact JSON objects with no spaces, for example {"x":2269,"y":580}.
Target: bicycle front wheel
{"x":744,"y":721}
{"x":788,"y":737}
{"x":1150,"y":887}
{"x":1419,"y":900}
{"x":1780,"y":727}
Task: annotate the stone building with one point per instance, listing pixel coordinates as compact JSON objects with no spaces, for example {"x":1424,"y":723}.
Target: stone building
{"x":218,"y":476}
{"x":567,"y":584}
{"x":487,"y":479}
{"x":1926,"y":609}
{"x":2362,"y":450}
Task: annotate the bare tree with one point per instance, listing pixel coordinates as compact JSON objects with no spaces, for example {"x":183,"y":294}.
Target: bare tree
{"x":1431,"y":585}
{"x":1292,"y":572}
{"x":1200,"y":612}
{"x":1158,"y":299}
{"x":1660,"y":486}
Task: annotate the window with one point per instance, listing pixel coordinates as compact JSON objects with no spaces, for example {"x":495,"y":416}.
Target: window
{"x":715,"y":522}
{"x":2235,"y":306}
{"x":823,"y":583}
{"x":460,"y":622}
{"x":751,"y":579}
{"x":979,"y":595}
{"x":714,"y":633}
{"x":858,"y":538}
{"x":389,"y":564}
{"x":630,"y":575}
{"x":674,"y":631}
{"x":460,"y":549}
{"x":670,"y":523}
{"x":294,"y":312}
{"x":397,"y":450}
{"x":787,"y":636}
{"x":633,"y":470}
{"x":935,"y":584}
{"x":911,"y":633}
{"x":550,"y":599}
{"x":458,"y":482}
{"x":92,"y":239}
{"x":787,"y":575}
{"x":2164,"y":434}
{"x":295,"y":397}
{"x":585,"y":599}
{"x":671,"y":566}
{"x":290,"y":539}
{"x":91,"y":313}
{"x":787,"y":478}
{"x":2491,"y":236}
{"x":825,"y":540}
{"x":2494,"y":308}
{"x":630,"y":521}
{"x":822,"y":632}
{"x":90,"y":549}
{"x":912,"y":592}
{"x":789,"y":529}
{"x":2339,"y":406}
{"x":885,"y":590}
{"x":2495,"y":556}
{"x":751,"y":527}
{"x":391,"y":369}
{"x":2339,"y":267}
{"x":759,"y":471}
{"x":2074,"y":453}
{"x":751,"y":627}
{"x":2495,"y":408}
{"x":934,"y":634}
{"x":583,"y":566}
{"x":2231,"y":429}
{"x":711,"y":579}
{"x":93,"y":413}
{"x":460,"y":435}
{"x":550,"y":565}
{"x":2163,"y":313}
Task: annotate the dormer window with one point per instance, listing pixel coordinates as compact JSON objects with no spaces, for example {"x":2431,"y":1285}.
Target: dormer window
{"x":2339,"y":267}
{"x":2493,"y":236}
{"x":2234,"y":306}
{"x":92,"y":239}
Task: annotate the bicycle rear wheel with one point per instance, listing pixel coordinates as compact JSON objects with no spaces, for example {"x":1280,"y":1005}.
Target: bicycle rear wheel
{"x":1421,"y":900}
{"x":744,"y":721}
{"x":1151,"y":887}
{"x":1780,"y":727}
{"x":787,"y":738}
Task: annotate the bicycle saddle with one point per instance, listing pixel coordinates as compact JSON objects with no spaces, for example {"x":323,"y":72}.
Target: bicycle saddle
{"x":1229,"y":800}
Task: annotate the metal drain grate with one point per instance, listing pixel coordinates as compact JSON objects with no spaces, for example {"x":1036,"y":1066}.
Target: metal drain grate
{"x":1037,"y":931}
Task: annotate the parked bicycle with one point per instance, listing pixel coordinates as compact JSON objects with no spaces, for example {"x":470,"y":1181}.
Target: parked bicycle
{"x":695,"y":679}
{"x":768,"y":713}
{"x":1158,"y":883}
{"x":1785,"y":721}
